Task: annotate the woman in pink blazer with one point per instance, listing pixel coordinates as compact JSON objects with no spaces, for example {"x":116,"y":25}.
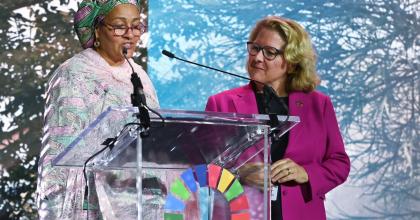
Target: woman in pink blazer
{"x":310,"y":160}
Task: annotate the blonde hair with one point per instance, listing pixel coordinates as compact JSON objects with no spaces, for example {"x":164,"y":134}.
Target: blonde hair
{"x":298,"y":52}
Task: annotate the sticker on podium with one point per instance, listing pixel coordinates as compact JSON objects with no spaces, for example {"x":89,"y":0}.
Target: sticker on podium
{"x":205,"y":184}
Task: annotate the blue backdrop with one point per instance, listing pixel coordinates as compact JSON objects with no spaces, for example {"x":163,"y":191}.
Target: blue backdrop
{"x":368,"y":59}
{"x":368,"y":54}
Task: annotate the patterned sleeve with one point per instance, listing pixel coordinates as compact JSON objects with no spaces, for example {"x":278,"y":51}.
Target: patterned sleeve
{"x":65,"y":115}
{"x":72,"y":98}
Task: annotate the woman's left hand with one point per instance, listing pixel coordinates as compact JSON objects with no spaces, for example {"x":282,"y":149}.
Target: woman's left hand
{"x":285,"y":170}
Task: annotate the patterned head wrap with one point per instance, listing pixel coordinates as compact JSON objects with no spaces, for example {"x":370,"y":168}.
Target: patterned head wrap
{"x":92,"y":12}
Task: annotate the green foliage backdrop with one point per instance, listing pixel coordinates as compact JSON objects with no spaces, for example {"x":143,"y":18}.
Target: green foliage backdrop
{"x":30,"y":50}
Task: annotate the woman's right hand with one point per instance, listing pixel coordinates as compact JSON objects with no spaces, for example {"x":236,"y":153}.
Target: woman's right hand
{"x":252,"y":174}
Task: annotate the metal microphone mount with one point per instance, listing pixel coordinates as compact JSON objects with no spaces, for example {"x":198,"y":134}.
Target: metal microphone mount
{"x":138,"y":100}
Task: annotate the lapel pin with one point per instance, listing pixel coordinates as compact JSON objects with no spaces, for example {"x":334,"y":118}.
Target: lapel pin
{"x":299,"y":104}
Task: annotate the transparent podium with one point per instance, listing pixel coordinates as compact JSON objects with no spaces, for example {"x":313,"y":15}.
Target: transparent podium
{"x":189,"y":166}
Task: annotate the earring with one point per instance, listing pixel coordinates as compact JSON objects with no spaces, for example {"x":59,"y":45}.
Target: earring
{"x":96,"y":44}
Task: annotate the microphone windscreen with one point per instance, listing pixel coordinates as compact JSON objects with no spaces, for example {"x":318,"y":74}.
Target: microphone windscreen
{"x":168,"y":54}
{"x":124,"y":50}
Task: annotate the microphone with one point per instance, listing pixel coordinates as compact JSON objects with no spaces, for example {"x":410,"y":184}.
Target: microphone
{"x":267,"y":90}
{"x":138,"y":99}
{"x":171,"y":55}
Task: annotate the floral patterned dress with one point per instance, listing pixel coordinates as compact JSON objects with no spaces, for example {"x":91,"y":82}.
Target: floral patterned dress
{"x":78,"y":91}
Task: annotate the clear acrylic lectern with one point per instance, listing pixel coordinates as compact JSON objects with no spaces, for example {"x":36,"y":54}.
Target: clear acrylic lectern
{"x":189,"y":167}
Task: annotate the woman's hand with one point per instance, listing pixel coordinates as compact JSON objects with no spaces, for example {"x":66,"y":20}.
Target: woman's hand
{"x":252,"y":174}
{"x":285,"y":170}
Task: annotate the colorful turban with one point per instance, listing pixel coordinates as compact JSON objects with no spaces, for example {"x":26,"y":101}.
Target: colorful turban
{"x":90,"y":13}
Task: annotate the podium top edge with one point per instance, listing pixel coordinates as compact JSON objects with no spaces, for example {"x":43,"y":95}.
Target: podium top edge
{"x":205,"y":115}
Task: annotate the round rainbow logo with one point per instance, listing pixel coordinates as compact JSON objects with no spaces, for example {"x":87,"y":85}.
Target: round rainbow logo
{"x":199,"y":183}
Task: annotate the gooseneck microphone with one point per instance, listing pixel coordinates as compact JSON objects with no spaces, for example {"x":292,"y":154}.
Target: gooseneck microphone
{"x":266,"y":88}
{"x":268,"y":91}
{"x":171,"y":55}
{"x":138,"y":99}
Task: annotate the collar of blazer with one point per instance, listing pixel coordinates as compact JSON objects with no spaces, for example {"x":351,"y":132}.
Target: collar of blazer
{"x":244,"y":100}
{"x":245,"y":103}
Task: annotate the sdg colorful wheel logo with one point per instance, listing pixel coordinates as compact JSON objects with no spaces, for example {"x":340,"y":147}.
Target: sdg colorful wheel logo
{"x":202,"y":181}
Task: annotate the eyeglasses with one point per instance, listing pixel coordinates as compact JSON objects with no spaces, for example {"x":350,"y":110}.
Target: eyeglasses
{"x":120,"y":30}
{"x":270,"y":53}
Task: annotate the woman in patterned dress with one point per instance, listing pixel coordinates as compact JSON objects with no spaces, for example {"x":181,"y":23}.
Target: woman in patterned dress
{"x":78,"y":92}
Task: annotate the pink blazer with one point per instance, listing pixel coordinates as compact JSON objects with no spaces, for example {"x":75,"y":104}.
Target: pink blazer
{"x":315,"y":143}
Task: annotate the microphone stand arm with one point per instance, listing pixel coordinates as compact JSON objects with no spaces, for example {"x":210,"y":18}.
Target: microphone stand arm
{"x":268,"y":90}
{"x":138,"y":99}
{"x":209,"y":67}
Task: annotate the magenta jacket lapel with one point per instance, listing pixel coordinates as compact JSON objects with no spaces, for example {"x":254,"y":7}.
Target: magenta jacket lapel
{"x":297,"y":107}
{"x":244,"y":100}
